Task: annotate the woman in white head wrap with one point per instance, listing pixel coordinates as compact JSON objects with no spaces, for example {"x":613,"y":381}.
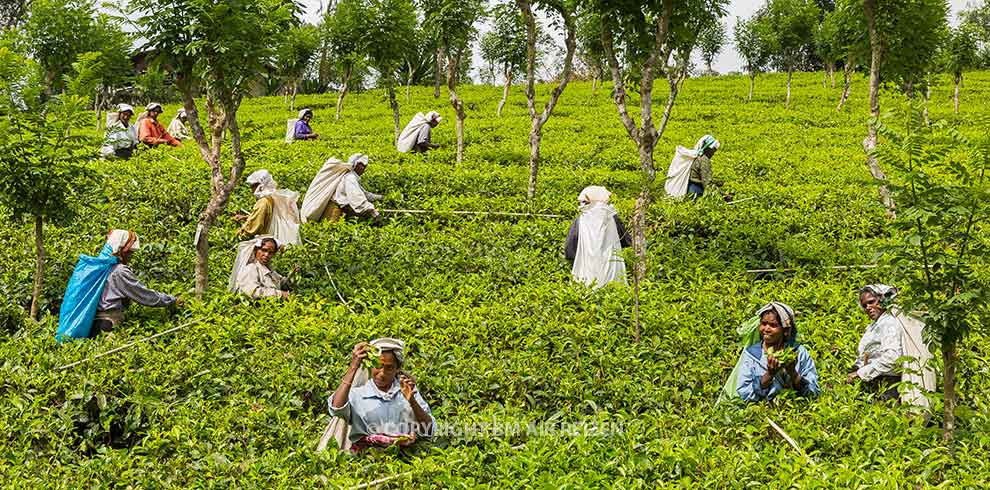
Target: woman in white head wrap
{"x":777,"y":362}
{"x":416,"y":136}
{"x":177,"y":127}
{"x":889,"y":337}
{"x":595,"y":240}
{"x":275,"y":212}
{"x":121,"y":137}
{"x":383,"y":410}
{"x":336,"y":190}
{"x":122,"y":285}
{"x":256,"y":279}
{"x":691,"y":170}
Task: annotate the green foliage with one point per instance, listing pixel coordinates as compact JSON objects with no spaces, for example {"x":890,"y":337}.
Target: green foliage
{"x":451,"y":23}
{"x":787,"y":26}
{"x":711,"y":39}
{"x":958,"y":51}
{"x":346,"y":36}
{"x":294,"y":53}
{"x":392,"y":27}
{"x":910,"y":33}
{"x":750,"y":45}
{"x":504,"y":46}
{"x":944,"y":198}
{"x":494,"y":326}
{"x":224,"y":45}
{"x":59,"y":33}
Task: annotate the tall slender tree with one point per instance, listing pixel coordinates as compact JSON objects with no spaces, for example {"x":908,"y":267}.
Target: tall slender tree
{"x":452,"y":24}
{"x":346,"y":28}
{"x":787,"y":26}
{"x":216,"y":48}
{"x":567,"y":11}
{"x":505,"y":46}
{"x":751,"y":47}
{"x":647,"y":33}
{"x":392,"y":24}
{"x":958,"y":54}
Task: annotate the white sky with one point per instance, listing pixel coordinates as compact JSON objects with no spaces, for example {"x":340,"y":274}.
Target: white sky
{"x":728,"y":59}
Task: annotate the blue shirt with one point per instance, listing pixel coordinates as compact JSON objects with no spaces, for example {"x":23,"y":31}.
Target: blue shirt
{"x":371,"y":411}
{"x":755,"y":366}
{"x":302,"y":129}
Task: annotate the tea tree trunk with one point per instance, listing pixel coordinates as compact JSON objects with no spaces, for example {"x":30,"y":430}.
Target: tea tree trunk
{"x":847,"y":82}
{"x":949,"y":393}
{"x":437,"y":72}
{"x":787,"y":102}
{"x":412,"y":73}
{"x":453,"y":63}
{"x":395,"y":110}
{"x":870,"y":143}
{"x":221,"y":116}
{"x":539,"y":119}
{"x":343,"y":90}
{"x":505,"y":92}
{"x":957,"y":78}
{"x":752,"y":82}
{"x":39,"y":266}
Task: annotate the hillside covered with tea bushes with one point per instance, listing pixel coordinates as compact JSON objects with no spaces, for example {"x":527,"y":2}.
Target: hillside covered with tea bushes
{"x":499,"y":337}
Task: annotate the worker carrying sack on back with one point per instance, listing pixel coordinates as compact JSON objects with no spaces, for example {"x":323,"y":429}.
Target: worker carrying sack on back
{"x":691,"y":170}
{"x":336,"y":191}
{"x":596,"y":239}
{"x":102,"y":287}
{"x":416,"y":137}
{"x":276,"y":212}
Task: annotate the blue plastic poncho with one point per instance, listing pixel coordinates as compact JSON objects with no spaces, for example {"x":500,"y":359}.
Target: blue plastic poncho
{"x":82,"y":294}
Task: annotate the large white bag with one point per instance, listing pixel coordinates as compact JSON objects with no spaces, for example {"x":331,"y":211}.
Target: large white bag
{"x":322,"y":189}
{"x":679,"y":172}
{"x":290,"y":130}
{"x":598,"y":260}
{"x":407,"y":139}
{"x":918,"y":377}
{"x":285,"y":217}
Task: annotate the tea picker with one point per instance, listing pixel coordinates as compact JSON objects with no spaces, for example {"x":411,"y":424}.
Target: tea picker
{"x":299,"y":129}
{"x":336,"y":191}
{"x":102,"y":287}
{"x":255,"y":278}
{"x":690,"y":171}
{"x":595,"y":240}
{"x":385,"y":410}
{"x":275,"y":212}
{"x":777,"y":362}
{"x":416,"y":136}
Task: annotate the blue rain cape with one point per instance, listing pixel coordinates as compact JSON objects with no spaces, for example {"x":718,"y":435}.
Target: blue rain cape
{"x":82,"y":295}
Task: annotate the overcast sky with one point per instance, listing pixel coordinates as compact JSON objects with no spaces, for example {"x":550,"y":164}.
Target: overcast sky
{"x":728,"y":60}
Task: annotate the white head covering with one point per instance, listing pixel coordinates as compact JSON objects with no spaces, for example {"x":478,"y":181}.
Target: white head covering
{"x":884,"y":293}
{"x":266,"y":184}
{"x":118,"y":241}
{"x":180,"y":113}
{"x":125,"y":108}
{"x":594,"y":194}
{"x":153,"y":106}
{"x":707,"y":141}
{"x":357,"y":158}
{"x":388,"y":344}
{"x":304,"y":112}
{"x":786,"y":315}
{"x":433,"y":115}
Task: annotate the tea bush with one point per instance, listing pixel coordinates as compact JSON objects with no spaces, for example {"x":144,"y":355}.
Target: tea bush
{"x":496,"y":330}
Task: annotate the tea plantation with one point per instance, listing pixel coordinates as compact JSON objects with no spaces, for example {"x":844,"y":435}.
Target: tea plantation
{"x":499,"y":337}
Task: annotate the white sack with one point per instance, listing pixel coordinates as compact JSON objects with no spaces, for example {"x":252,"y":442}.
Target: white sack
{"x":598,"y":260}
{"x":339,"y":429}
{"x":407,"y":139}
{"x":918,"y":377}
{"x":679,"y":172}
{"x":285,"y":217}
{"x":290,"y":130}
{"x":322,"y":189}
{"x":244,"y":251}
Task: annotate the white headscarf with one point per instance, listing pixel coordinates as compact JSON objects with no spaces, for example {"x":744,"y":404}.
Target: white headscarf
{"x":884,"y":293}
{"x":786,"y":315}
{"x":115,"y":116}
{"x":433,"y":116}
{"x":388,"y":344}
{"x":118,"y":241}
{"x":304,"y":112}
{"x":258,"y":242}
{"x":266,"y":184}
{"x":357,"y":158}
{"x":594,"y":194}
{"x":180,"y":113}
{"x":707,"y":141}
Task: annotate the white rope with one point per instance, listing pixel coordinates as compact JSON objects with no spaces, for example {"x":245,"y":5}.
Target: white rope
{"x":126,"y":346}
